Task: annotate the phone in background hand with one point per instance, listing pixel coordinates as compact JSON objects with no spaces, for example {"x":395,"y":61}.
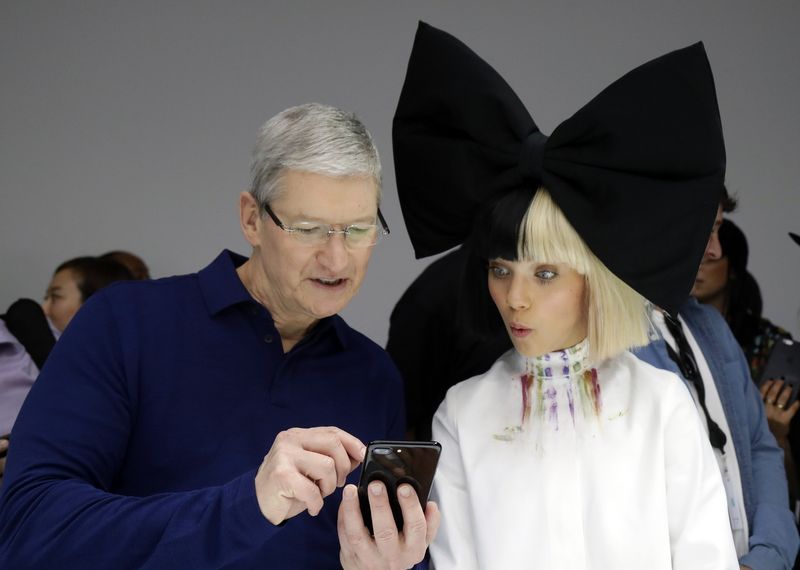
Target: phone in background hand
{"x":395,"y":463}
{"x":784,"y":364}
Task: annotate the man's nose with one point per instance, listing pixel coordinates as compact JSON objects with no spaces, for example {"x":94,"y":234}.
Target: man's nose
{"x":333,"y":254}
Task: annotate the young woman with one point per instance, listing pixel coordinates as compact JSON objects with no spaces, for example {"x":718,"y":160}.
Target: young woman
{"x":74,"y":281}
{"x":569,"y":453}
{"x":726,"y":284}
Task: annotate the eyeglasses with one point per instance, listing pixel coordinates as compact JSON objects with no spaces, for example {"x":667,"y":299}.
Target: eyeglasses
{"x":316,"y":234}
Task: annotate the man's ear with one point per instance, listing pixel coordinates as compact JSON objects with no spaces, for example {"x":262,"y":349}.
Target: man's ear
{"x":250,"y":218}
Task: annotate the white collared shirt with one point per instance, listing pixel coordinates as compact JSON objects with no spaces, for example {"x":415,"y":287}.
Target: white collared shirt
{"x":633,"y":486}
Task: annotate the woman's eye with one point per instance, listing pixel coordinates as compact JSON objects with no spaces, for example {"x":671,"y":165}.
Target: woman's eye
{"x":498,"y":272}
{"x":546,"y":275}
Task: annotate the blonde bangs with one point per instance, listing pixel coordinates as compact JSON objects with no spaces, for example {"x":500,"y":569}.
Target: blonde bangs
{"x":617,"y":316}
{"x":546,"y":236}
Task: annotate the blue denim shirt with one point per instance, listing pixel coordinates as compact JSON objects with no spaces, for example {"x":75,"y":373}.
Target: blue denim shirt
{"x":773,"y":535}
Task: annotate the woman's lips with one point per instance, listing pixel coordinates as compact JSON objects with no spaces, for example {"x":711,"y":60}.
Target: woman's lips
{"x":518,"y":330}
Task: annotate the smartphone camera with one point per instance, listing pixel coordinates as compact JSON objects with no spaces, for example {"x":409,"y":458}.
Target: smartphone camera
{"x":396,"y":463}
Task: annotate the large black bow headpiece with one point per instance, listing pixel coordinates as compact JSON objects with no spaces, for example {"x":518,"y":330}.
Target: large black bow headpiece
{"x":638,"y":171}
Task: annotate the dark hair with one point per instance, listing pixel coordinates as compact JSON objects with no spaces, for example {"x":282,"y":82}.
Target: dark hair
{"x":728,"y":202}
{"x":495,"y":234}
{"x":134,"y":263}
{"x":94,"y":273}
{"x":743,"y":303}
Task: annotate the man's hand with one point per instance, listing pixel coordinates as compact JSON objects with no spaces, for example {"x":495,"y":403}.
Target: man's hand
{"x":775,"y":395}
{"x":389,"y":549}
{"x":302,"y":468}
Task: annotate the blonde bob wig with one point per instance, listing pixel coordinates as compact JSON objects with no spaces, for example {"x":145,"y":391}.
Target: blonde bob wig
{"x":617,"y":316}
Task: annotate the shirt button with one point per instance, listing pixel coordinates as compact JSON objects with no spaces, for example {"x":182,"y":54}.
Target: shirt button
{"x":268,"y":338}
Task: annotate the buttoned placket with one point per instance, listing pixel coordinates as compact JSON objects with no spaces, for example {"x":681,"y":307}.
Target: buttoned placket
{"x":265,"y":329}
{"x":269,"y":337}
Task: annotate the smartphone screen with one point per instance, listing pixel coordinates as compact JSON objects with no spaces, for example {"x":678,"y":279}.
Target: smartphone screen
{"x":784,"y":364}
{"x":395,"y":463}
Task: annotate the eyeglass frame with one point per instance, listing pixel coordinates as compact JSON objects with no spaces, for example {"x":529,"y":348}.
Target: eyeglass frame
{"x":383,"y":228}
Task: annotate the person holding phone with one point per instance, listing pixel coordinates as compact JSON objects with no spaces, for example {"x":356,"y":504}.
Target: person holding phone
{"x":569,"y":452}
{"x":214,"y":420}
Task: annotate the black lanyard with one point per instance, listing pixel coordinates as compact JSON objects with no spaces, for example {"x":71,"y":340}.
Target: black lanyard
{"x":687,"y":364}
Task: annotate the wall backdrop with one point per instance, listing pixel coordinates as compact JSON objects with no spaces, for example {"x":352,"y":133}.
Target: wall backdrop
{"x":129,"y":125}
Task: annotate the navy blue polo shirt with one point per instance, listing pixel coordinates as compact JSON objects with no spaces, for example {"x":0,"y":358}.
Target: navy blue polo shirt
{"x":139,"y":443}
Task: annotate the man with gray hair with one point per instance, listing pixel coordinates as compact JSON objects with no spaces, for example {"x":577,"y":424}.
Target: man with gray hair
{"x":177,"y":423}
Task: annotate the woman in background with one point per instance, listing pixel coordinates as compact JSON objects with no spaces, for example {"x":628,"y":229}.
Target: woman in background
{"x":74,"y":281}
{"x":727,"y":285}
{"x":26,"y":338}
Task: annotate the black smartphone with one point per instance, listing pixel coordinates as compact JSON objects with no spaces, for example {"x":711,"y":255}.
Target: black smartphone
{"x":395,"y":463}
{"x":784,"y":364}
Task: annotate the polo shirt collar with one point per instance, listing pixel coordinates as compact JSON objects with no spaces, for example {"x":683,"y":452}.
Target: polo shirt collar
{"x":339,"y":326}
{"x":220,"y":283}
{"x":222,"y":288}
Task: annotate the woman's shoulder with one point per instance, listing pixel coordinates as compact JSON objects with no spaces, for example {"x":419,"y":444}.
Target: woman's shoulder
{"x":633,"y":385}
{"x":770,"y":330}
{"x":629,"y":368}
{"x":483,"y":403}
{"x":504,"y":368}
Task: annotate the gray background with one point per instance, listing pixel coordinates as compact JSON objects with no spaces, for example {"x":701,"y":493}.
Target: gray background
{"x":129,"y":124}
